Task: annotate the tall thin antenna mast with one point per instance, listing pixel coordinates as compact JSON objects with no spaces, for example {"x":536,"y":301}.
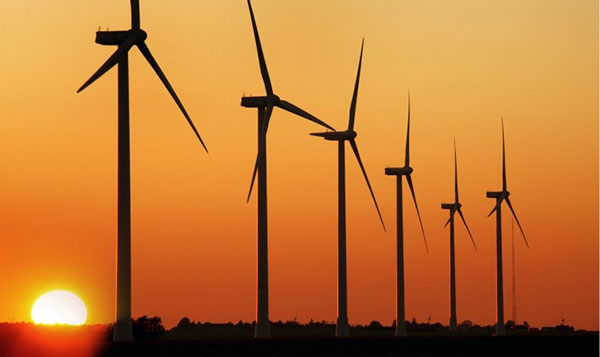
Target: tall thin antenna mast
{"x":514,"y":285}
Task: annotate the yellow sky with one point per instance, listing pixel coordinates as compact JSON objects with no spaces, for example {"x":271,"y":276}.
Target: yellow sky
{"x":466,"y":63}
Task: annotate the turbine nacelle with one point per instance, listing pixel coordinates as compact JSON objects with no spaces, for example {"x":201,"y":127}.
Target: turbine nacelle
{"x":497,"y":194}
{"x":260,"y":101}
{"x":451,"y":206}
{"x":398,"y":171}
{"x":116,"y":38}
{"x":337,"y":135}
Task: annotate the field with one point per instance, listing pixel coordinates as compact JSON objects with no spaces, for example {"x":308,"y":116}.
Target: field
{"x":290,"y":339}
{"x":373,"y":346}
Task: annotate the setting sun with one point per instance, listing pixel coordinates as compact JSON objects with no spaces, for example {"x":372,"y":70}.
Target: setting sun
{"x":59,"y":307}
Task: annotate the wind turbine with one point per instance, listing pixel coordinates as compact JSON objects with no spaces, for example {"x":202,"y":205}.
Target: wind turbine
{"x":399,"y":172}
{"x":125,"y":40}
{"x":453,"y":208}
{"x":265,"y":105}
{"x":500,"y":196}
{"x":341,"y":327}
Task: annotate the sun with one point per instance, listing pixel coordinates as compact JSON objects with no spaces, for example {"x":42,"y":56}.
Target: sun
{"x":59,"y":307}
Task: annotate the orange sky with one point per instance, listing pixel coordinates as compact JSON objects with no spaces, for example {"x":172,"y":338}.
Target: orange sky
{"x":466,"y":63}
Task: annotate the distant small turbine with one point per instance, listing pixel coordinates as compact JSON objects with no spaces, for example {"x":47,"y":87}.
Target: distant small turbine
{"x":453,"y":208}
{"x":125,"y":40}
{"x":500,"y":196}
{"x":341,"y":327}
{"x":265,"y":105}
{"x":399,"y":172}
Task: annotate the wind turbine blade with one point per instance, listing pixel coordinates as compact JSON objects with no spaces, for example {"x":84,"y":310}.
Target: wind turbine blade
{"x":146,"y":52}
{"x":447,"y":222}
{"x":516,"y":219}
{"x":261,"y":56}
{"x":407,"y":153}
{"x":451,"y":215}
{"x":295,"y":110}
{"x":110,"y":62}
{"x":412,"y":191}
{"x":355,"y":94}
{"x":503,"y":160}
{"x":362,"y":167}
{"x":467,"y":227}
{"x":253,"y":178}
{"x":263,"y":136}
{"x":455,"y":175}
{"x":498,"y":203}
{"x":135,"y":14}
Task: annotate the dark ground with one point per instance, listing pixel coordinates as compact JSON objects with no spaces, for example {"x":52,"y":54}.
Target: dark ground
{"x":367,"y":346}
{"x":291,"y":339}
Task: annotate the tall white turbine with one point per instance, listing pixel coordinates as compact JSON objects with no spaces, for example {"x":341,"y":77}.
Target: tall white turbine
{"x":125,"y":40}
{"x":500,"y":196}
{"x":265,"y":105}
{"x":341,"y":328}
{"x":406,"y":170}
{"x":453,"y":208}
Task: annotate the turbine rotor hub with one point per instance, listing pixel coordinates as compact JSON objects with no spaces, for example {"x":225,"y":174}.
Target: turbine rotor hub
{"x":140,"y":34}
{"x":274,"y":99}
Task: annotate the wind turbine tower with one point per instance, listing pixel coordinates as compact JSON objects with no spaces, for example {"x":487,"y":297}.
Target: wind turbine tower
{"x":514,"y":280}
{"x":341,"y":328}
{"x":125,"y":40}
{"x":453,"y":208}
{"x":265,"y":105}
{"x":399,"y":172}
{"x":501,"y":196}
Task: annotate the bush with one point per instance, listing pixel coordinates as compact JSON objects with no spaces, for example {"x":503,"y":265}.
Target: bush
{"x":147,"y":328}
{"x":375,"y":324}
{"x":185,"y":323}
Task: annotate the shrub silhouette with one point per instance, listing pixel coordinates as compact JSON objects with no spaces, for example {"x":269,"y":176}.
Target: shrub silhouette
{"x":375,"y":324}
{"x":147,"y":328}
{"x":185,"y":323}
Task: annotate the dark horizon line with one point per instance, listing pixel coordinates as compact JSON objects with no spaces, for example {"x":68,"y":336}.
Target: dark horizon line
{"x":374,"y":324}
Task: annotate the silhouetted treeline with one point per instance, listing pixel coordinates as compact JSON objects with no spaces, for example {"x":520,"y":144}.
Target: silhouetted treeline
{"x":151,"y":328}
{"x":312,"y":338}
{"x":188,"y":329}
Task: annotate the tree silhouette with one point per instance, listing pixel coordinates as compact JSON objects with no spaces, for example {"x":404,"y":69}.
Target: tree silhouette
{"x":185,"y":323}
{"x":375,"y":324}
{"x":147,"y":328}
